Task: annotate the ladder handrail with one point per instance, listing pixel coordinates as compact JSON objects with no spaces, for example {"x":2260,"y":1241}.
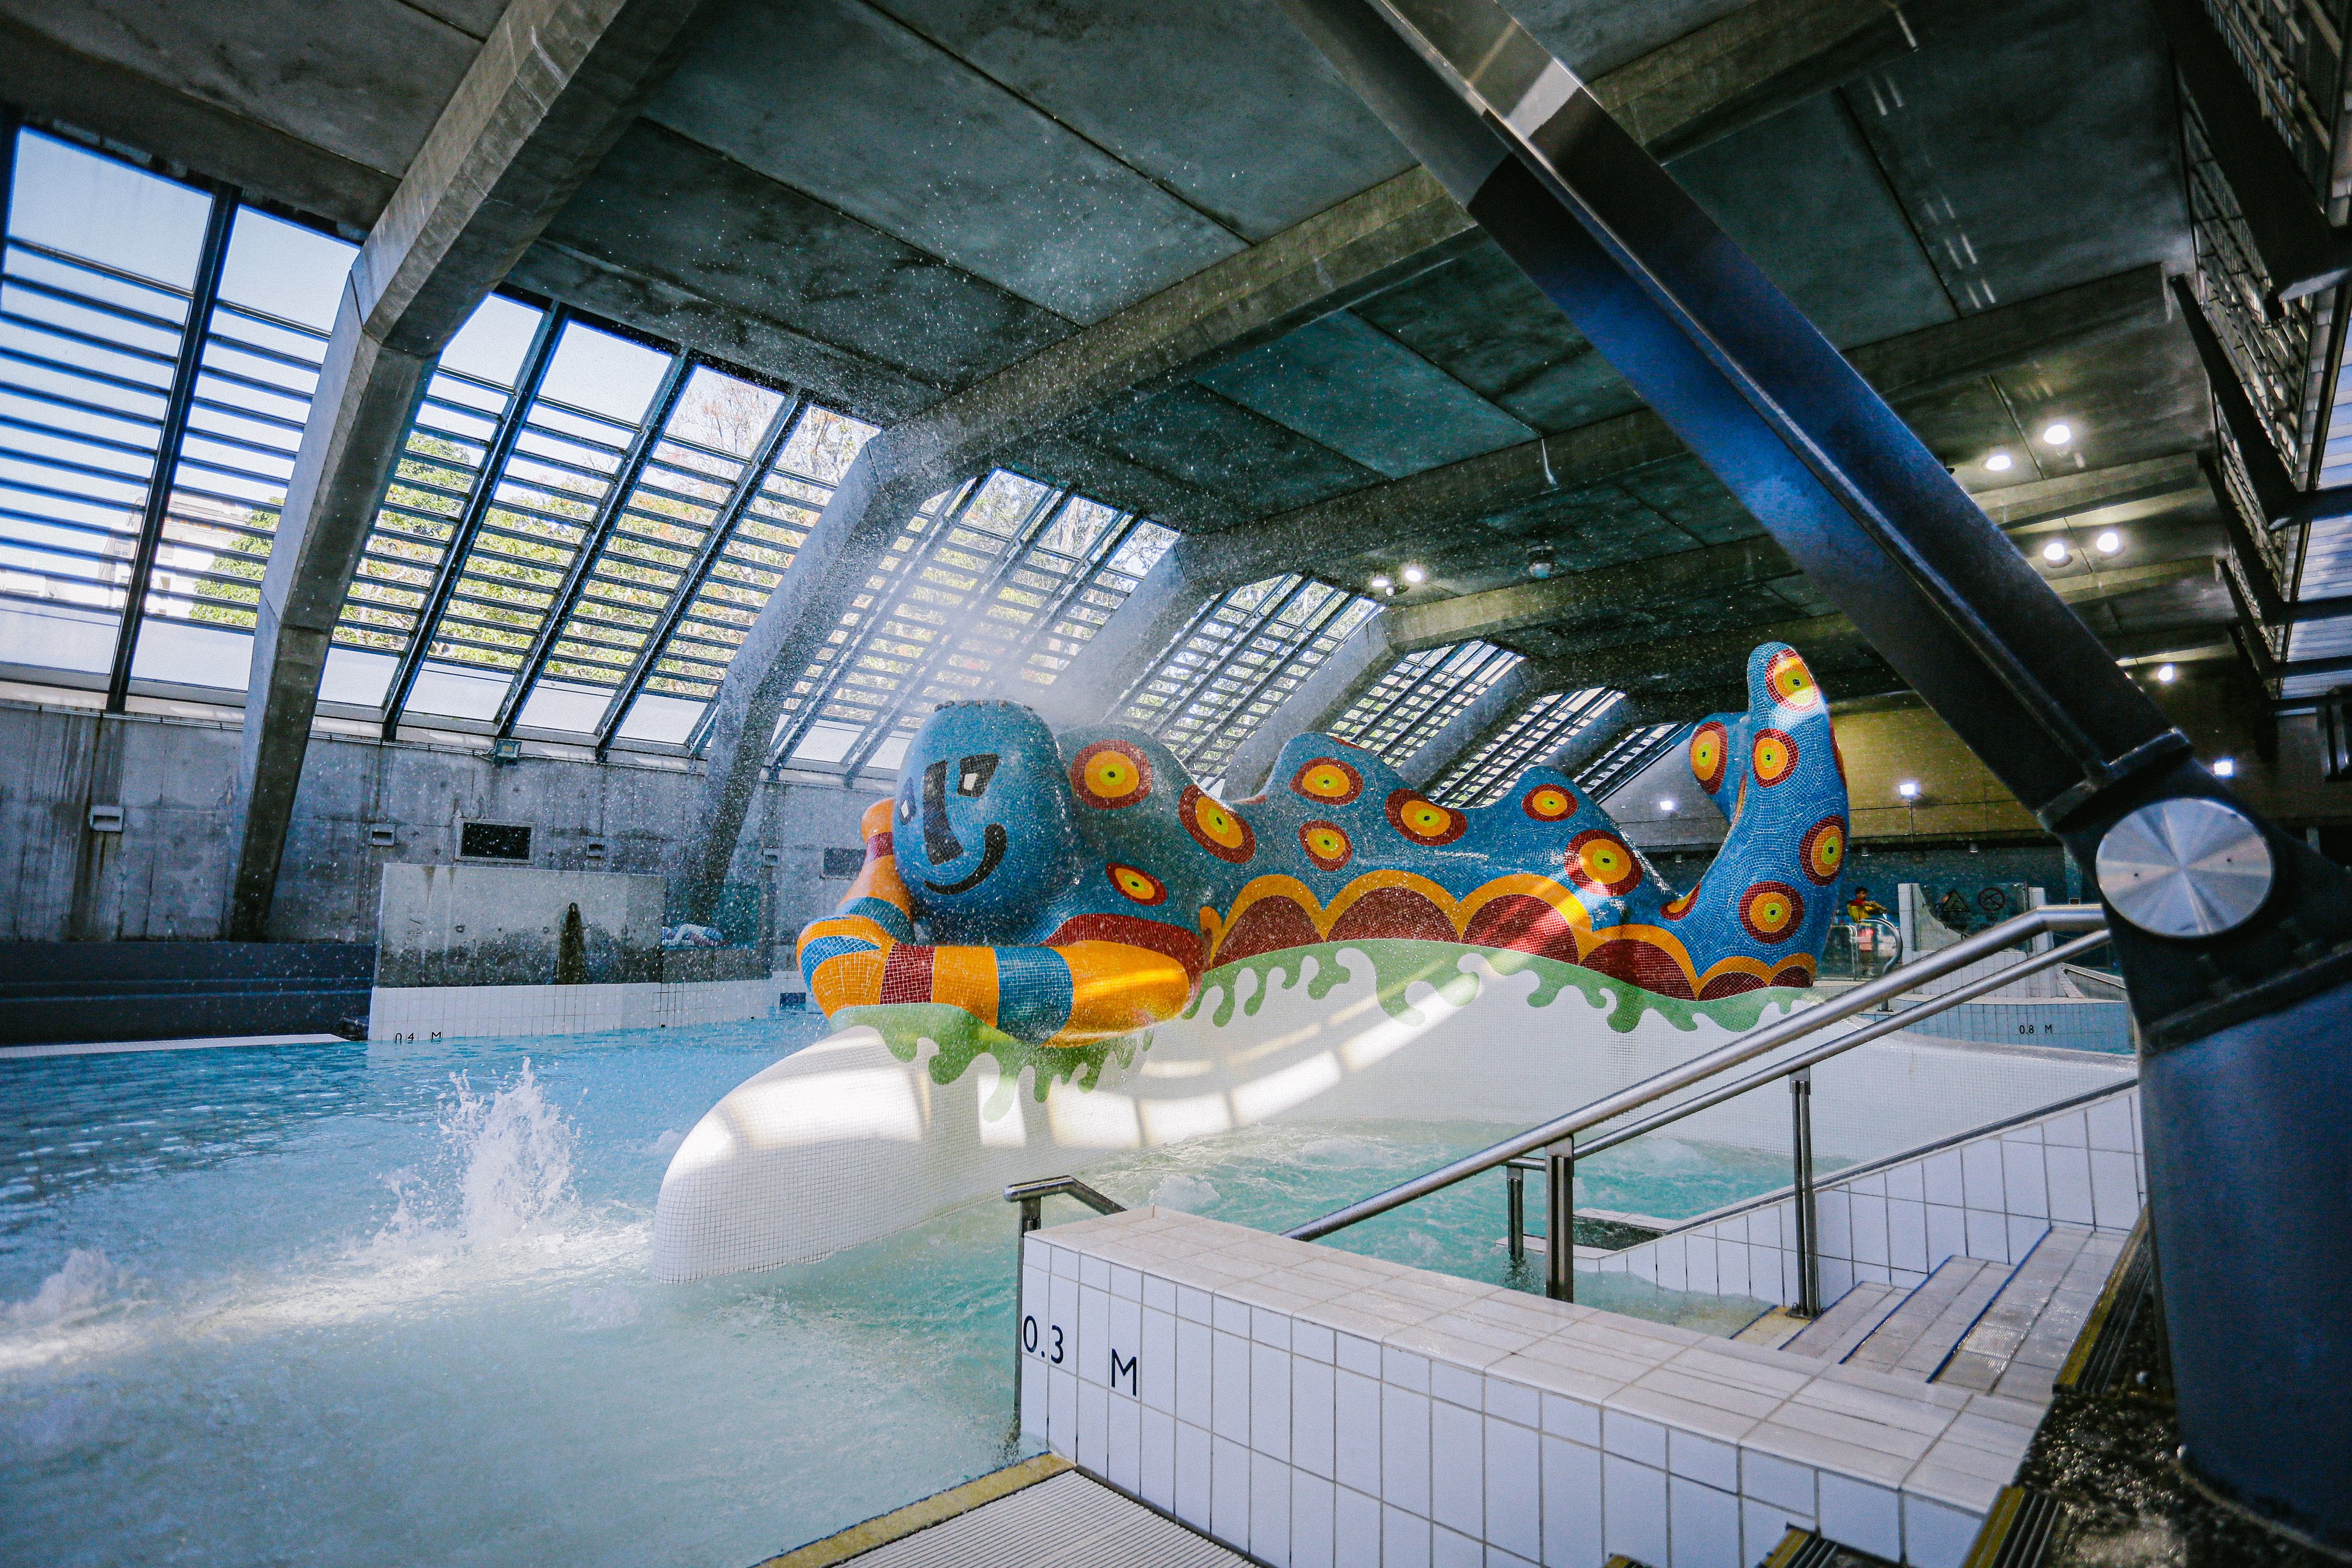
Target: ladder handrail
{"x":2048,"y":920}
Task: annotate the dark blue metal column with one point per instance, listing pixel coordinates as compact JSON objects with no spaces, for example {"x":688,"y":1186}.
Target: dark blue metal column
{"x":2236,"y":940}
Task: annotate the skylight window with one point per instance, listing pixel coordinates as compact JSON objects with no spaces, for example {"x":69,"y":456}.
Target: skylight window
{"x":1632,"y":752}
{"x":106,"y":268}
{"x":1422,"y":694}
{"x":1241,"y":658}
{"x":1541,"y":728}
{"x":988,"y":591}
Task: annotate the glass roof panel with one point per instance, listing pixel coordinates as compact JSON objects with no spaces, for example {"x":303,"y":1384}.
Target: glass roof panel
{"x":1634,"y":749}
{"x":1238,"y":660}
{"x":1541,"y":727}
{"x":94,"y":285}
{"x":265,"y":341}
{"x":1422,"y":694}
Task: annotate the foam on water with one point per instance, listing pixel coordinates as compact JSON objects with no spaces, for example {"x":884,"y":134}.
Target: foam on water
{"x":360,"y":1306}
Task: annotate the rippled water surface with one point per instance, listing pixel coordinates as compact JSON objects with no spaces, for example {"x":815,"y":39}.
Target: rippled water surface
{"x":389,"y":1305}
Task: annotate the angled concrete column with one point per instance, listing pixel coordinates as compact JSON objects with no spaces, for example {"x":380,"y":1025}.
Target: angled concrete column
{"x":1488,"y":712}
{"x":1584,"y":748}
{"x":1317,"y":704}
{"x":828,"y":571}
{"x":556,"y":82}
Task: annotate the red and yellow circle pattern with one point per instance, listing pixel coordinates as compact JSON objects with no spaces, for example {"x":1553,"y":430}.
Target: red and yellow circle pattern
{"x":1822,"y":851}
{"x":1602,"y":861}
{"x":1141,"y":885}
{"x":1791,"y":681}
{"x":1110,"y":774}
{"x":1771,"y":910}
{"x":1549,"y":802}
{"x":1326,"y":844}
{"x":1710,"y":744}
{"x":1773,"y":757}
{"x":1330,"y":779}
{"x":1676,"y":908}
{"x":1216,"y":827}
{"x":1422,"y":820}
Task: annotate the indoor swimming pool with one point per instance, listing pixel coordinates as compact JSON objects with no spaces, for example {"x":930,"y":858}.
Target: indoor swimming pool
{"x":390,"y":1305}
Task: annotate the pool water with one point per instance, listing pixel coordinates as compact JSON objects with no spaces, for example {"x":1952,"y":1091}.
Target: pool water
{"x":390,"y":1305}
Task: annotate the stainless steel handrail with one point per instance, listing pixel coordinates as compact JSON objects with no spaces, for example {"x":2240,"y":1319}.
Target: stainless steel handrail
{"x":1843,"y":1043}
{"x":2048,"y":920}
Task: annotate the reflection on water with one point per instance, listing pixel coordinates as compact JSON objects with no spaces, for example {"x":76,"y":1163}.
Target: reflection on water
{"x":363,"y":1305}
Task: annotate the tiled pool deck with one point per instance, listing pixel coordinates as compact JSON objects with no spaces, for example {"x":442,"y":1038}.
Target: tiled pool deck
{"x":1310,"y":1406}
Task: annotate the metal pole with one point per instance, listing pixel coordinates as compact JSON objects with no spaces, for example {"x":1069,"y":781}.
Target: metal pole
{"x":1031,"y":1217}
{"x":1516,"y":1203}
{"x":1559,"y":1220}
{"x":1809,"y":1224}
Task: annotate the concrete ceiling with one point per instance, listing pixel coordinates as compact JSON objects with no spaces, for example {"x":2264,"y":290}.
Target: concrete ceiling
{"x":891,"y":201}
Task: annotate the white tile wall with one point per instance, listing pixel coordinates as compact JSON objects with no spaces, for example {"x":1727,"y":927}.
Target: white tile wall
{"x":1315,"y":1409}
{"x":456,"y":1012}
{"x":1993,"y":1197}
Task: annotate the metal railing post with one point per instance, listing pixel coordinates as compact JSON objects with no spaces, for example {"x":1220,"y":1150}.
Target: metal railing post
{"x":1559,"y":1220}
{"x":1809,"y":1228}
{"x":1033,"y":1214}
{"x":1515,"y":1201}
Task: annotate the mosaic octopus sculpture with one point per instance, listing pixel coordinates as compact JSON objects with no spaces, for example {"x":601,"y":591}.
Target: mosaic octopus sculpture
{"x":1064,"y":891}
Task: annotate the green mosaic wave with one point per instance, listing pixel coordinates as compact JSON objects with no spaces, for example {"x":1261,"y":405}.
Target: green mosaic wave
{"x":962,"y":1039}
{"x":1399,"y":964}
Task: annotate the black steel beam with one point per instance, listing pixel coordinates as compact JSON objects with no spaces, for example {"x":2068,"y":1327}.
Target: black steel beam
{"x":185,"y":369}
{"x":528,"y":376}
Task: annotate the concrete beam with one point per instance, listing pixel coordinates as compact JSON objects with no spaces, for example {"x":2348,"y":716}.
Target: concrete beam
{"x":1353,"y":669}
{"x":1490,"y":710}
{"x":1499,"y":611}
{"x":555,"y":83}
{"x":1633,"y":665}
{"x":1430,"y":507}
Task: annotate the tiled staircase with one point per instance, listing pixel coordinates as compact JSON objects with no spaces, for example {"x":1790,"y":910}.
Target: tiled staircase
{"x":1989,"y":1328}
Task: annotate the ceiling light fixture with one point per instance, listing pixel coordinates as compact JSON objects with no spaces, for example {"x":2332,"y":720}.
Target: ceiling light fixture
{"x":1542,"y":561}
{"x":2055,"y":552}
{"x":2165,"y":672}
{"x":1999,"y":463}
{"x":1908,"y":789}
{"x":2225,"y":767}
{"x":2110,"y":542}
{"x":2057,"y":433}
{"x":1667,"y":805}
{"x":1384,"y":584}
{"x":1414,"y":576}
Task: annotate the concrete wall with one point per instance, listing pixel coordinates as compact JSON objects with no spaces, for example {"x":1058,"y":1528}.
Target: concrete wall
{"x":162,"y":877}
{"x":500,"y":925}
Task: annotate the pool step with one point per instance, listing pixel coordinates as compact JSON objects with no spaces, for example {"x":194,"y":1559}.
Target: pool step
{"x":2018,"y":1347}
{"x":1040,"y":1513}
{"x":1990,"y":1328}
{"x":1927,"y":1325}
{"x":1847,"y":1322}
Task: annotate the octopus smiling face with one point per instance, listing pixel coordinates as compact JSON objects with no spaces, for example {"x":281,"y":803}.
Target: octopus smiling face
{"x":982,"y":825}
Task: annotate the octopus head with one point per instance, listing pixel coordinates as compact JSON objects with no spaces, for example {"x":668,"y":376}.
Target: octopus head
{"x":983,"y":821}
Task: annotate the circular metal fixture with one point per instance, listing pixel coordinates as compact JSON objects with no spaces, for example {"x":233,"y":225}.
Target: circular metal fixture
{"x":2185,"y":868}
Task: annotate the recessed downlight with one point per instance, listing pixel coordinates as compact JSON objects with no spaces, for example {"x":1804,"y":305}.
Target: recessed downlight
{"x":2055,"y":552}
{"x":2057,"y":433}
{"x":2110,"y":542}
{"x":2167,"y":674}
{"x":1999,"y":463}
{"x":1414,"y":576}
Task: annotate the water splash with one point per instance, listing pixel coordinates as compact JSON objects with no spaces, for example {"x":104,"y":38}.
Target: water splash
{"x":511,"y":1152}
{"x":84,"y":1286}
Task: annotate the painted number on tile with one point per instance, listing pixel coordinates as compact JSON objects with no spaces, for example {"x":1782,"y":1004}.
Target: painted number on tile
{"x":1029,"y":1340}
{"x":1119,"y":1369}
